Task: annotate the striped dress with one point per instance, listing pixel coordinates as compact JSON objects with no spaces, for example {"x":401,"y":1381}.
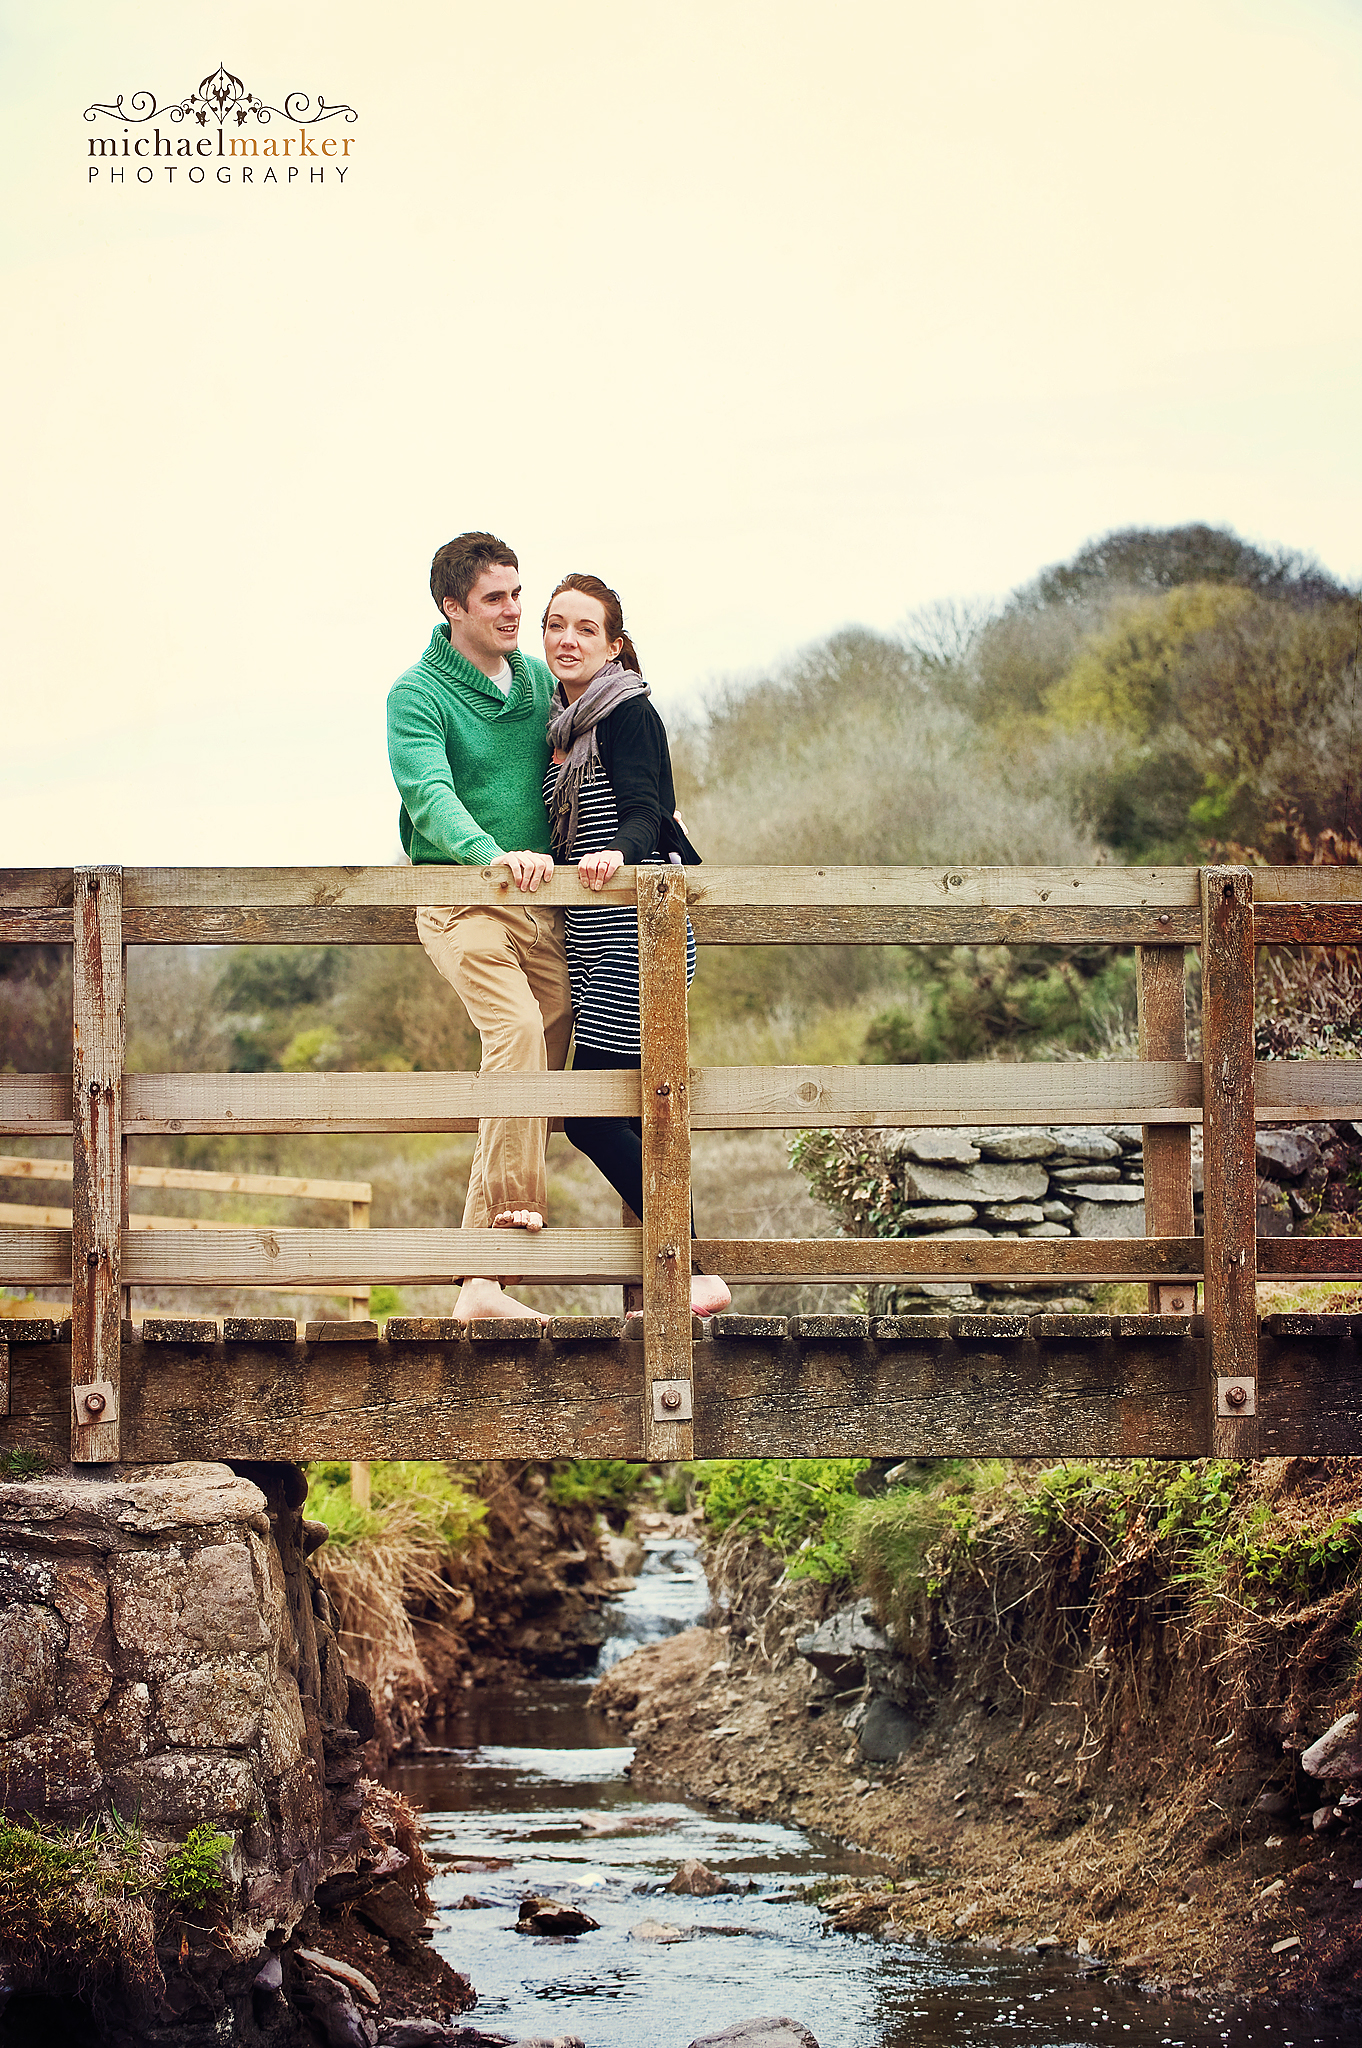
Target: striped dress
{"x":602,"y":945}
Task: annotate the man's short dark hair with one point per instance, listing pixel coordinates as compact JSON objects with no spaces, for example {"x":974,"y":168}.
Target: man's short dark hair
{"x":460,"y":562}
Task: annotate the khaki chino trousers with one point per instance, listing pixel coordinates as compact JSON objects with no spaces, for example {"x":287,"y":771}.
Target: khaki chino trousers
{"x":509,"y":970}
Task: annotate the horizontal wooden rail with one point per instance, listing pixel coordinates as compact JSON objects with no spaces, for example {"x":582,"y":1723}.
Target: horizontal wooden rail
{"x":247,"y":1258}
{"x":960,"y":887}
{"x":723,"y":1098}
{"x":824,"y":906}
{"x":199,"y":1180}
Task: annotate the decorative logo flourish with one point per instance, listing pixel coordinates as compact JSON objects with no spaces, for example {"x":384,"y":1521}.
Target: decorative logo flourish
{"x":221,"y":97}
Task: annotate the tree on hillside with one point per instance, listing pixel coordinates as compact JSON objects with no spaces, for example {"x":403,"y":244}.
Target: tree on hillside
{"x":1161,"y":558}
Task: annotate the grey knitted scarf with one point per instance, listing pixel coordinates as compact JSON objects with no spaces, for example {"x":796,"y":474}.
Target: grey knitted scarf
{"x":572,"y":731}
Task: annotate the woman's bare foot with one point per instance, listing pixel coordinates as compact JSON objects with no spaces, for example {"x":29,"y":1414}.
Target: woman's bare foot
{"x":708,"y":1294}
{"x":479,"y":1299}
{"x":518,"y":1219}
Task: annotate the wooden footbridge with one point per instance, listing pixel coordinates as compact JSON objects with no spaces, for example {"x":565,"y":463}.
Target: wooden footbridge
{"x":1170,"y":1383}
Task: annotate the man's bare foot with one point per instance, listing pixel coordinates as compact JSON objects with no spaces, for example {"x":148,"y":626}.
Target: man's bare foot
{"x":708,"y":1294}
{"x":479,"y":1299}
{"x":518,"y":1219}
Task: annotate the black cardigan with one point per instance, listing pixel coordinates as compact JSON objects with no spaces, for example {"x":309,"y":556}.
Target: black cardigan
{"x":632,"y":744}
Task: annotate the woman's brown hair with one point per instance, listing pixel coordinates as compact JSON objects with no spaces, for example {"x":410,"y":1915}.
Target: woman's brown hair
{"x":608,"y":599}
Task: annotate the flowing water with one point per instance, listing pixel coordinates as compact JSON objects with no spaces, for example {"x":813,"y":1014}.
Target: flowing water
{"x":532,"y":1795}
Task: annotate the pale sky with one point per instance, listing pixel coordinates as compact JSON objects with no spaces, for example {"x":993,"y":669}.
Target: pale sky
{"x":780,"y":316}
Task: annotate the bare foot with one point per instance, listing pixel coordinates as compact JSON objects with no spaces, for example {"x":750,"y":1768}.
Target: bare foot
{"x":481,"y":1298}
{"x":708,"y":1294}
{"x":518,"y":1219}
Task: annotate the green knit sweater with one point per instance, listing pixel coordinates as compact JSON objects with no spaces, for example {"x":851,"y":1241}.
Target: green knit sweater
{"x":469,"y":763}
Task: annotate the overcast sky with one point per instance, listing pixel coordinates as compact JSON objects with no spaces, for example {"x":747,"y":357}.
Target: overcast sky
{"x":777,"y":315}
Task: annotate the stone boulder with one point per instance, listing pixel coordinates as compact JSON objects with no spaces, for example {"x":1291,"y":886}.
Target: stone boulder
{"x":886,"y":1731}
{"x":698,"y":1881}
{"x":1338,"y":1753}
{"x":986,"y":1182}
{"x":539,"y":1915}
{"x":1285,"y":1154}
{"x":759,"y":2033}
{"x":839,"y":1646}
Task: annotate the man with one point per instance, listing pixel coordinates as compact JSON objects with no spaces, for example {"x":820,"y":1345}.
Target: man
{"x":468,"y":750}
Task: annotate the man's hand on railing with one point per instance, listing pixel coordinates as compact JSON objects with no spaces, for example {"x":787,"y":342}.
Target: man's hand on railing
{"x":529,"y":869}
{"x":595,"y":869}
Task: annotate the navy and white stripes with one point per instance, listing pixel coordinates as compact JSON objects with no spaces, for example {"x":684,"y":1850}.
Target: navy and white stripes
{"x":602,"y":945}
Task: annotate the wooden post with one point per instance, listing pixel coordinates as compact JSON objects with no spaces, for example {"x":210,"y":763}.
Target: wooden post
{"x":1161,"y":992}
{"x":97,"y":1164}
{"x":665,"y":1081}
{"x":360,"y":1489}
{"x":1231,"y":1180}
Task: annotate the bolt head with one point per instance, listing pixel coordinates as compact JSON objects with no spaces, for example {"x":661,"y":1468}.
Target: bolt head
{"x":671,"y":1400}
{"x":1236,"y":1397}
{"x":94,"y":1404}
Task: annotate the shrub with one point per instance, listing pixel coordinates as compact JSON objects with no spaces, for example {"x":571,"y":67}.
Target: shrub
{"x":795,"y":1506}
{"x":193,"y":1875}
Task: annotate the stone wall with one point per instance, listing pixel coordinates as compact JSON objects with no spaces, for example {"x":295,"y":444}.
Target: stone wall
{"x":1029,"y":1181}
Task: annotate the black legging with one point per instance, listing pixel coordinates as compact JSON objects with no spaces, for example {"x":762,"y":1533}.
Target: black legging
{"x":613,"y":1143}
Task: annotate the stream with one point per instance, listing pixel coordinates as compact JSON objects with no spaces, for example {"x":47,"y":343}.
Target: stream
{"x":531,"y":1794}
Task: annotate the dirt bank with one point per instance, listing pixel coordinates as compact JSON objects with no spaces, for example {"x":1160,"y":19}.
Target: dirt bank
{"x":1124,"y":1784}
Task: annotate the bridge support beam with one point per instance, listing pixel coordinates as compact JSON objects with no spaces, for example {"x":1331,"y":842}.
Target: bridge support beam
{"x":99,"y":1199}
{"x":1230,"y":1170}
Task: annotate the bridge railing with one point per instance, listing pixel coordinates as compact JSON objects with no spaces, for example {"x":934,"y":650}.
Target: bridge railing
{"x":1225,"y":912}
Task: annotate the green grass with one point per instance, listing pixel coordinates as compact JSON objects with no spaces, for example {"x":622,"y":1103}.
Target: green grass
{"x":418,"y":1497}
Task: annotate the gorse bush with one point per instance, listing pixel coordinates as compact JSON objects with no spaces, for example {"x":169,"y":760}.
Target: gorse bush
{"x":607,"y":1485}
{"x":795,"y":1506}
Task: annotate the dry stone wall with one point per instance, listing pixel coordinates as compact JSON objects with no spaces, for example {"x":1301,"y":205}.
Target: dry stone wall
{"x":1026,"y":1181}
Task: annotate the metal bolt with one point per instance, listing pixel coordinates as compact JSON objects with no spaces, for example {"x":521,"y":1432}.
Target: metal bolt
{"x":1179,"y":1303}
{"x":94,"y":1091}
{"x":670,"y":1399}
{"x":93,"y":1256}
{"x":668,"y":1252}
{"x":94,"y":1404}
{"x":1236,"y":1397}
{"x":665,"y":1089}
{"x":1163,"y":917}
{"x":94,"y":885}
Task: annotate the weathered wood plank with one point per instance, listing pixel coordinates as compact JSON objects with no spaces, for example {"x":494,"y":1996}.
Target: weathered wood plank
{"x":1293,"y":924}
{"x":97,"y":1005}
{"x":715,"y":925}
{"x":1288,"y":1091}
{"x":1231,"y":1184}
{"x":1306,"y":885}
{"x":855,"y":1258}
{"x":1041,"y":888}
{"x":921,"y":1391}
{"x":1162,"y":1004}
{"x":35,"y":1105}
{"x":196,"y":1178}
{"x":1116,"y":1091}
{"x":722,"y":1098}
{"x":1310,"y":1258}
{"x":664,"y":1083}
{"x":335,"y":1260}
{"x":936,"y":1398}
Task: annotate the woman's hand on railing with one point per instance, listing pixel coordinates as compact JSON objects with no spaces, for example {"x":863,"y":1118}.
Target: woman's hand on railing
{"x":529,"y":869}
{"x":595,"y":869}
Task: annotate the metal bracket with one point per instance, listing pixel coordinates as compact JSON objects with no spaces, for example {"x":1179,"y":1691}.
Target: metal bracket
{"x":672,"y":1401}
{"x":1178,"y":1298}
{"x":1236,"y":1397}
{"x":96,"y":1401}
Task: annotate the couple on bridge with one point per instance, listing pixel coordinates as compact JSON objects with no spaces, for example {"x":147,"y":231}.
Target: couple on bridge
{"x":504,"y":761}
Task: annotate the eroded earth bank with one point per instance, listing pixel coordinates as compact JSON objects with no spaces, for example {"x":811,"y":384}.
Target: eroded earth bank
{"x":1076,"y":1720}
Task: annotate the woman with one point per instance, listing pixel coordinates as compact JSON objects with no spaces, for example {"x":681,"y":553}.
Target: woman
{"x":610,"y":802}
